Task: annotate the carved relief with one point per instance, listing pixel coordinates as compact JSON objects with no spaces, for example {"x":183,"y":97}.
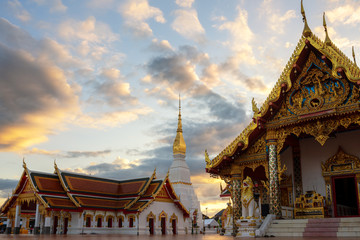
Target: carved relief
{"x":340,"y":163}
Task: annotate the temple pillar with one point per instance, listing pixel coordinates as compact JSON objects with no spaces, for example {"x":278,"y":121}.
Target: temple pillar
{"x":275,"y":207}
{"x":37,"y":219}
{"x":17,"y":218}
{"x":236,"y":191}
{"x":297,"y":171}
{"x":8,"y":225}
{"x":47,"y":224}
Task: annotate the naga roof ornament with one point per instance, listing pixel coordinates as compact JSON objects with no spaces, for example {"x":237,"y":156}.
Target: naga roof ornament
{"x":327,"y":39}
{"x":353,"y":54}
{"x":179,"y":146}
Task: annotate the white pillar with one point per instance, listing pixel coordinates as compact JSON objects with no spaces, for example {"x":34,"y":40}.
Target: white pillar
{"x":17,"y":219}
{"x":47,"y":225}
{"x":37,"y":219}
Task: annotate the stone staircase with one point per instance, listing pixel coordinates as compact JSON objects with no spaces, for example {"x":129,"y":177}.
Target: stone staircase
{"x":323,"y":227}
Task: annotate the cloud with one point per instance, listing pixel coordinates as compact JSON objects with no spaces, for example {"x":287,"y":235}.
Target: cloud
{"x":110,"y":119}
{"x":185,"y":3}
{"x":87,"y":154}
{"x":136,"y":13}
{"x":160,"y":46}
{"x":187,"y":24}
{"x":344,"y":14}
{"x":100,"y":4}
{"x":275,"y":20}
{"x":54,"y":5}
{"x":29,"y":114}
{"x":35,"y":96}
{"x":89,"y":30}
{"x":19,"y":11}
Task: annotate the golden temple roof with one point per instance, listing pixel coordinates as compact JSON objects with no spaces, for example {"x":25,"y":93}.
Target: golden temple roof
{"x":179,"y":146}
{"x":339,"y":61}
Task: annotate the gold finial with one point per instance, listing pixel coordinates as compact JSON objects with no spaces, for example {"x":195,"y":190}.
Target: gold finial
{"x":254,"y":107}
{"x":353,"y":54}
{"x":306,"y":31}
{"x":24,"y":163}
{"x":327,"y":39}
{"x":179,"y":146}
{"x":154,"y":173}
{"x":55,"y":165}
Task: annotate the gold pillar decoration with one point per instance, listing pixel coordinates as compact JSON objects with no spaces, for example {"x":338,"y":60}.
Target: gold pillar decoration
{"x":236,"y":177}
{"x":274,"y":184}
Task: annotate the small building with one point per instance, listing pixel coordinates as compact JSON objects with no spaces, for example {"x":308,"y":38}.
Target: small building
{"x":71,"y":203}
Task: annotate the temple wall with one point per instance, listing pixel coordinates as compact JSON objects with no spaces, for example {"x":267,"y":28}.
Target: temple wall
{"x":286,"y":158}
{"x":312,"y":154}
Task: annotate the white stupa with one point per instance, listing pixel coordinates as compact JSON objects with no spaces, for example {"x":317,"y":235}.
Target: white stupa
{"x":179,"y":176}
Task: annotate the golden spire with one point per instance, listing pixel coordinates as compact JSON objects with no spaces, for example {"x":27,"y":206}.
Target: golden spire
{"x":353,"y":54}
{"x":327,"y":39}
{"x":179,"y":146}
{"x":306,"y":31}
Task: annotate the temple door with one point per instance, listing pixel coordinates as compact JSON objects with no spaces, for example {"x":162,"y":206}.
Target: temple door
{"x":173,"y":222}
{"x":345,"y":196}
{"x":151,"y":226}
{"x":66,"y":223}
{"x":163,"y":226}
{"x":56,"y":219}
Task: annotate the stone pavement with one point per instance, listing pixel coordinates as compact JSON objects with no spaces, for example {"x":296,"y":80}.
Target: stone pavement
{"x":154,"y":237}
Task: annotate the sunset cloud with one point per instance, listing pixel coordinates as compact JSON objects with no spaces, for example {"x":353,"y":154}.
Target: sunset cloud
{"x":136,"y":13}
{"x":187,"y":24}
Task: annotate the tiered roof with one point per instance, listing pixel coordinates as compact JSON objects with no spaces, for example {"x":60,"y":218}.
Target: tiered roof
{"x":71,"y":191}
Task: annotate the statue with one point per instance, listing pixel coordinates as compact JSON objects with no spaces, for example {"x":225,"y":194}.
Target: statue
{"x":249,"y":206}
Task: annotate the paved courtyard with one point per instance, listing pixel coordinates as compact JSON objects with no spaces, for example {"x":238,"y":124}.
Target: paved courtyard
{"x":160,"y":237}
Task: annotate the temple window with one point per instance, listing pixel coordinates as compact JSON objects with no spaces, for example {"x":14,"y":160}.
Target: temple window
{"x":131,"y":221}
{"x":121,"y":222}
{"x":99,"y":222}
{"x":110,"y":221}
{"x":88,"y":222}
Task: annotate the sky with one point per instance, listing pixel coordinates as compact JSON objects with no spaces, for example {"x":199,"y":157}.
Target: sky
{"x":95,"y":84}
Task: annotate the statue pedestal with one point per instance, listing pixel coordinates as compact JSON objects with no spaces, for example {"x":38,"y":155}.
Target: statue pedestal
{"x":247,"y":227}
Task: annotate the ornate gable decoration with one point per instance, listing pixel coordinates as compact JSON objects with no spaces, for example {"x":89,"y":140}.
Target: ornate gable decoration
{"x":317,"y":90}
{"x":341,"y":163}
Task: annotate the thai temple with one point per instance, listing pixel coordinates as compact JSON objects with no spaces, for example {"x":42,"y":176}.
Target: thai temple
{"x":70,"y":203}
{"x":295,"y":169}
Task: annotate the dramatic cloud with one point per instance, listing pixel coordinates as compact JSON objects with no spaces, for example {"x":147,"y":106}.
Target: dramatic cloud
{"x":35,"y":97}
{"x":6,"y":186}
{"x":187,"y":24}
{"x":160,"y":46}
{"x":136,"y":13}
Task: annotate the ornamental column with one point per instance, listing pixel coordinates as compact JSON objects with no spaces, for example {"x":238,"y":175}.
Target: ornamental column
{"x":17,"y":218}
{"x":47,"y":223}
{"x":37,"y":219}
{"x":275,"y":207}
{"x":8,"y":225}
{"x":236,"y":176}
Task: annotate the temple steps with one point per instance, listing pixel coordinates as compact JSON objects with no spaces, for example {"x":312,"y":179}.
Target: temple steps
{"x":326,"y":227}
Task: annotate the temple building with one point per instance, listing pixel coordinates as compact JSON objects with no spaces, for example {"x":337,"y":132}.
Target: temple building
{"x":70,"y":203}
{"x":179,"y":176}
{"x":301,"y":151}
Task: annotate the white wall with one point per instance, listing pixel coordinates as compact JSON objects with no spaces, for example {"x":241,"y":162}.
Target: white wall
{"x":312,"y":154}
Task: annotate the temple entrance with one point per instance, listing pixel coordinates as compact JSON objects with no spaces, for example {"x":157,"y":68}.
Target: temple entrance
{"x":345,"y":196}
{"x":55,"y":226}
{"x":173,"y":223}
{"x":151,"y":226}
{"x":66,"y":223}
{"x":163,"y":226}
